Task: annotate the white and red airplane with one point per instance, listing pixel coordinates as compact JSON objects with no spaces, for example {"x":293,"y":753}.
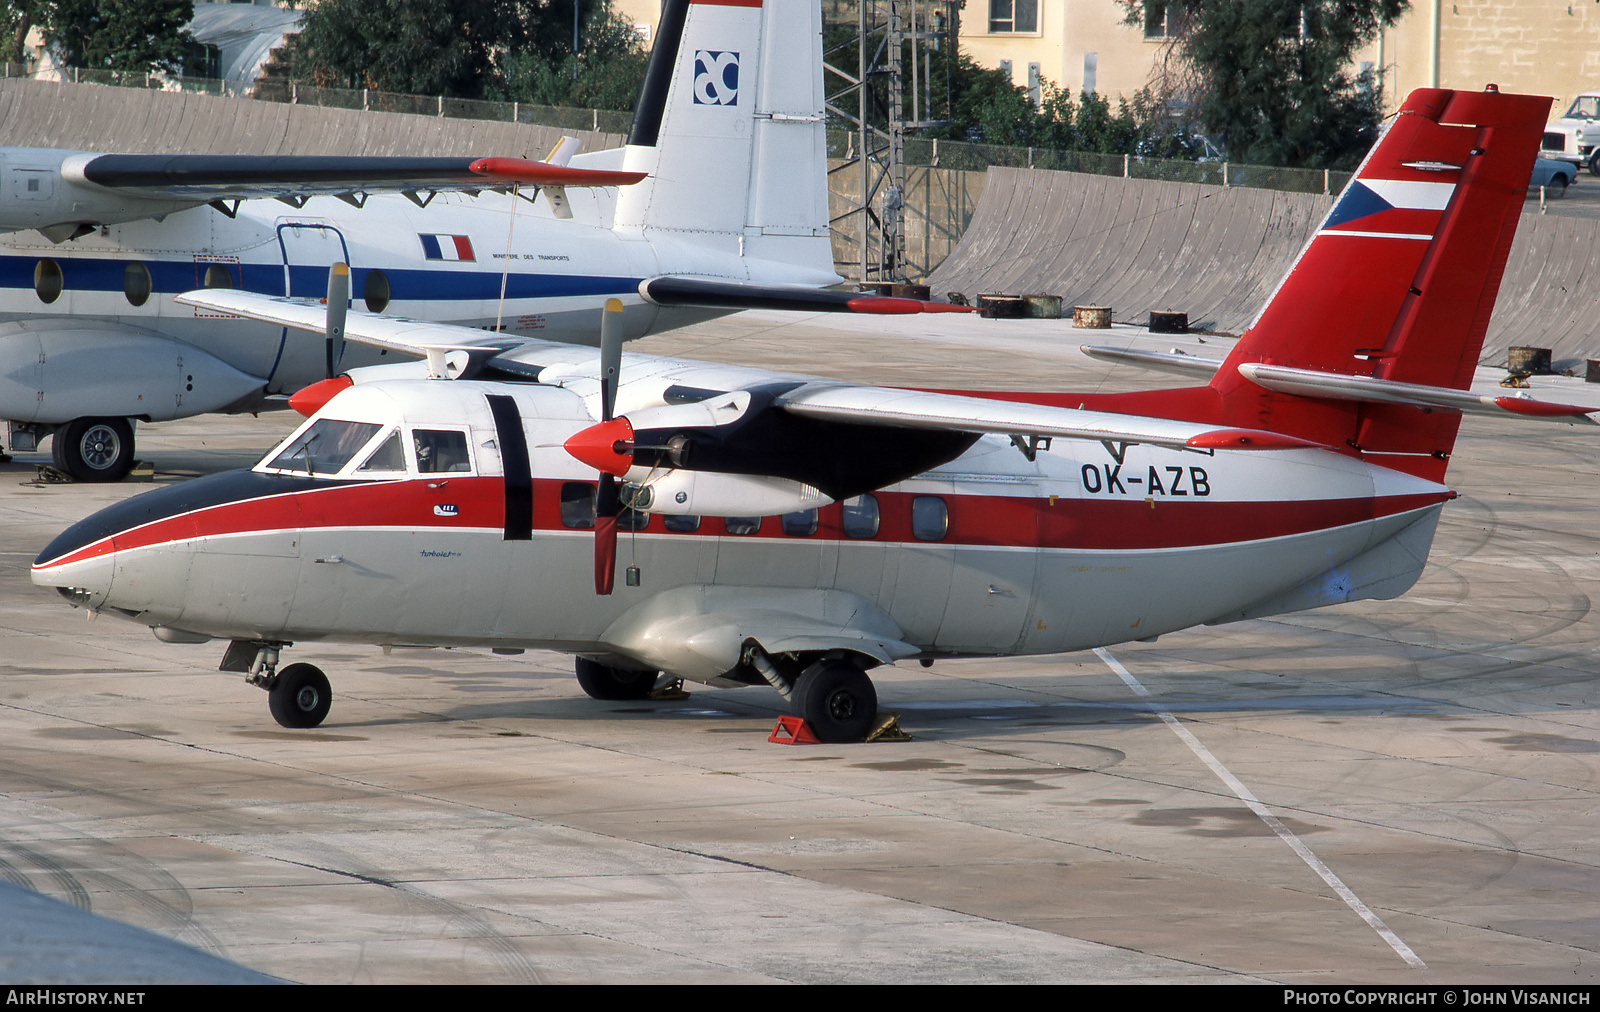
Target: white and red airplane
{"x":732,"y":213}
{"x":797,"y":532}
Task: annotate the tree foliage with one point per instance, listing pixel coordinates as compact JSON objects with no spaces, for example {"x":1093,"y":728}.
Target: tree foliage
{"x":982,"y":105}
{"x":1274,"y":78}
{"x":129,"y":35}
{"x":606,"y":73}
{"x":510,"y":49}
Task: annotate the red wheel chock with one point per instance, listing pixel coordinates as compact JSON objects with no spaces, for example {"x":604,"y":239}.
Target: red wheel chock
{"x":792,"y":731}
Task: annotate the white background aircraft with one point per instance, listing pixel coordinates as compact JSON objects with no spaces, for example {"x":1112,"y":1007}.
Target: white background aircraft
{"x":733,"y":215}
{"x":796,"y":532}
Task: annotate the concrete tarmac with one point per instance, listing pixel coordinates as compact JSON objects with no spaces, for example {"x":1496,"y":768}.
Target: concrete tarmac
{"x":467,"y":817}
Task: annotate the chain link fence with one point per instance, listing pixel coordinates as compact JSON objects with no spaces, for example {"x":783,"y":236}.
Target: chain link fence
{"x":943,"y":183}
{"x":969,"y":157}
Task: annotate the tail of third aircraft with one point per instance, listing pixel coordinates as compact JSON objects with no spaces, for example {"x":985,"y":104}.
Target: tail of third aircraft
{"x":729,"y":126}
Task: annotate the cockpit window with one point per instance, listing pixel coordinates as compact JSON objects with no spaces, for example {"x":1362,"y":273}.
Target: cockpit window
{"x":387,"y":457}
{"x":440,"y":450}
{"x":326,"y":447}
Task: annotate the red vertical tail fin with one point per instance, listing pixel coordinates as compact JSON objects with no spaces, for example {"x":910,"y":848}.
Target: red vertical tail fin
{"x":1400,"y":279}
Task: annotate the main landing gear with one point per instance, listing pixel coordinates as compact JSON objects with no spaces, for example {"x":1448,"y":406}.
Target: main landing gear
{"x":832,"y":694}
{"x":836,"y":700}
{"x":601,"y":681}
{"x":94,"y":449}
{"x":299,"y":696}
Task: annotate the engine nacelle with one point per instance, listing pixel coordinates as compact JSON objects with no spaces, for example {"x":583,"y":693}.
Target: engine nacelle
{"x":52,"y":371}
{"x":45,"y":189}
{"x":709,"y":493}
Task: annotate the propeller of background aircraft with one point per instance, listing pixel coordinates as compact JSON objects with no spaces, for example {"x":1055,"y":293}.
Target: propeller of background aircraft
{"x":338,"y":304}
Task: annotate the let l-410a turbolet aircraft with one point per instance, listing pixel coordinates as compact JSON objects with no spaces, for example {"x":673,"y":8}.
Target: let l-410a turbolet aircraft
{"x":787,"y":531}
{"x":732,"y":213}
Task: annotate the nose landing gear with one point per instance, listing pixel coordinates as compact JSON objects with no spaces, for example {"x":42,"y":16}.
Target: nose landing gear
{"x":299,"y":696}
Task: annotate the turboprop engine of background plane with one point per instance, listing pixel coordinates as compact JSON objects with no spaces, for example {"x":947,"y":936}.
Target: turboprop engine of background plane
{"x":45,"y":189}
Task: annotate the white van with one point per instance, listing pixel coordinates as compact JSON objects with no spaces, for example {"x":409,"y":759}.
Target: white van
{"x":1575,"y":136}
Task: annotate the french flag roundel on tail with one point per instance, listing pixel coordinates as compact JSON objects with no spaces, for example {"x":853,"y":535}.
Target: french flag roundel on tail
{"x":1398,"y":282}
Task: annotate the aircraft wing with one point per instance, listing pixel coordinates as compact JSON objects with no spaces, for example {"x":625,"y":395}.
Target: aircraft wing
{"x":919,"y":409}
{"x":204,"y":178}
{"x":818,"y":399}
{"x":706,"y":293}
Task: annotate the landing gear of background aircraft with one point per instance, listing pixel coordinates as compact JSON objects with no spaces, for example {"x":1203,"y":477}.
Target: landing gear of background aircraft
{"x":602,"y":681}
{"x":94,"y":449}
{"x":300,"y":696}
{"x":836,"y":700}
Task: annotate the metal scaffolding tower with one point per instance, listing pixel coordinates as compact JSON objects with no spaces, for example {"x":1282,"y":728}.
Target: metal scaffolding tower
{"x":894,"y":39}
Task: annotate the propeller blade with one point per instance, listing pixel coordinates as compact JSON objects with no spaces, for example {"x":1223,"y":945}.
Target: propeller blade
{"x":338,"y":304}
{"x":610,"y":357}
{"x":607,"y":504}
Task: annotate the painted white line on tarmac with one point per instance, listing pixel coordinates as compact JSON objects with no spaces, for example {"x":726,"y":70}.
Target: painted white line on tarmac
{"x":1243,"y":794}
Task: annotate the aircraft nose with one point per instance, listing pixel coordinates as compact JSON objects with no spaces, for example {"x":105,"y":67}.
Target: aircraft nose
{"x":83,"y":580}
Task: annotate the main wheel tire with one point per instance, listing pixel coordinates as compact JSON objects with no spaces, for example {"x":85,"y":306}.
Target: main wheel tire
{"x":94,"y":449}
{"x":601,"y":681}
{"x":301,"y":696}
{"x":836,"y":700}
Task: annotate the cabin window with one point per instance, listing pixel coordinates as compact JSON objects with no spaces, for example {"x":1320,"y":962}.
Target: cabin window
{"x":930,"y":519}
{"x":375,"y":291}
{"x":861,"y":517}
{"x":387,"y":457}
{"x":679,"y":523}
{"x":741,"y":526}
{"x":800,"y":525}
{"x":632,"y":520}
{"x":326,"y":447}
{"x":440,"y":450}
{"x":577,"y":505}
{"x":218,"y":276}
{"x":136,"y":285}
{"x":47,"y":280}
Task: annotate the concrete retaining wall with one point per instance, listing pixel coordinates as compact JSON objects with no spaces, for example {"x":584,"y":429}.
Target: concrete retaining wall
{"x":89,"y":117}
{"x":1217,"y":253}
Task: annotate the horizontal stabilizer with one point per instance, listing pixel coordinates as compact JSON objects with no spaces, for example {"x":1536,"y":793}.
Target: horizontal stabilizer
{"x":219,"y":177}
{"x":1160,"y":361}
{"x":1337,"y":386}
{"x":704,"y":294}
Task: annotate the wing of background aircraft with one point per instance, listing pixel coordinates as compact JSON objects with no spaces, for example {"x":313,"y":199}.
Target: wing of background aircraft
{"x":706,"y":293}
{"x":237,"y":177}
{"x":72,"y":192}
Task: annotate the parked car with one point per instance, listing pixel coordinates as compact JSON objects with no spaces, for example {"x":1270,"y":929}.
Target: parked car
{"x":1554,"y":176}
{"x":1575,"y":137}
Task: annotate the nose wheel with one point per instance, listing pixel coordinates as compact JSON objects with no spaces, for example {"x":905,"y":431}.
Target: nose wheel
{"x":300,"y":696}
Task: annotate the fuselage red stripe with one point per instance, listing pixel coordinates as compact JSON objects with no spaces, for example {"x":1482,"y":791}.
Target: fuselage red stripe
{"x":974,"y":520}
